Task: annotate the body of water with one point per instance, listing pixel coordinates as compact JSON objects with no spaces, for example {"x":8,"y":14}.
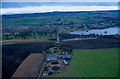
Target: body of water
{"x":108,"y":31}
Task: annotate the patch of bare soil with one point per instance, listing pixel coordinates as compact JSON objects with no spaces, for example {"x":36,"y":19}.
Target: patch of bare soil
{"x":31,"y":66}
{"x":93,"y":43}
{"x":14,"y":41}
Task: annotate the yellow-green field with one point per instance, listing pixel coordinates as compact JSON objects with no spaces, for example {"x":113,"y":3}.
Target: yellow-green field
{"x":93,"y":63}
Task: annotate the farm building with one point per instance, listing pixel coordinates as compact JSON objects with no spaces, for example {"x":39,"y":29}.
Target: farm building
{"x":66,"y":56}
{"x":52,"y":50}
{"x":55,"y":68}
{"x":60,"y":56}
{"x":54,"y":62}
{"x":65,"y":62}
{"x":52,"y":58}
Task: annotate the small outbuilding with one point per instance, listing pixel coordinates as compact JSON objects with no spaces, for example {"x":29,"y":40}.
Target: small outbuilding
{"x":65,"y":62}
{"x":60,"y":56}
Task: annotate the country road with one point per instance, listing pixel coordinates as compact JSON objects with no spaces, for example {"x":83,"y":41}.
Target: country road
{"x":78,"y":39}
{"x":39,"y":76}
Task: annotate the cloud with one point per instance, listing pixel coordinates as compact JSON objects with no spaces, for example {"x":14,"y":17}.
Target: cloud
{"x":60,"y":0}
{"x":42,"y":9}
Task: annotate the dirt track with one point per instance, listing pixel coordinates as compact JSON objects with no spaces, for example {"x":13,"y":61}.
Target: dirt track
{"x":31,"y":66}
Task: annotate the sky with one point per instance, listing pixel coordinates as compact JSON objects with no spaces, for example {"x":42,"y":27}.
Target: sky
{"x":42,"y":7}
{"x":64,"y":0}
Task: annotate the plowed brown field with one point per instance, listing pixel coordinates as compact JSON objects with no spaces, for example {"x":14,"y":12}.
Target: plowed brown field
{"x":31,"y":66}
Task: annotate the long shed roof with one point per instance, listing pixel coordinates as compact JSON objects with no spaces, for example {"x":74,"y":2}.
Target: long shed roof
{"x":51,"y":58}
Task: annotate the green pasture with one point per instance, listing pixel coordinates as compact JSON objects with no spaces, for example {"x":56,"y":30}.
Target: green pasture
{"x":92,"y":63}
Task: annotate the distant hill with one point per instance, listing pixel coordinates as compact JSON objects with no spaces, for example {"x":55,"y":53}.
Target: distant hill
{"x":55,"y":13}
{"x":42,"y":19}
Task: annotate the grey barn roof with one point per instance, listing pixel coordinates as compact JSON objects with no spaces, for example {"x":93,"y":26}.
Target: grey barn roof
{"x":51,"y":58}
{"x":65,"y":56}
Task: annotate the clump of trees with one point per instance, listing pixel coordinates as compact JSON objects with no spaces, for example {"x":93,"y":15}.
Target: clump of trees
{"x":41,"y":34}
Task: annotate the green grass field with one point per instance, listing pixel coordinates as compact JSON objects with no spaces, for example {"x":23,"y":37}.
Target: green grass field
{"x":93,"y":63}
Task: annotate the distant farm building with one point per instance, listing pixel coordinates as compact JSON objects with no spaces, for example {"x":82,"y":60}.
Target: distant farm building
{"x":52,"y":50}
{"x":65,"y":62}
{"x":55,"y":68}
{"x":66,"y":56}
{"x":52,"y":58}
{"x":54,"y":62}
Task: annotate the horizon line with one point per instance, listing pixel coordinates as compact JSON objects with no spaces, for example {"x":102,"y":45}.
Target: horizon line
{"x":58,"y":11}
